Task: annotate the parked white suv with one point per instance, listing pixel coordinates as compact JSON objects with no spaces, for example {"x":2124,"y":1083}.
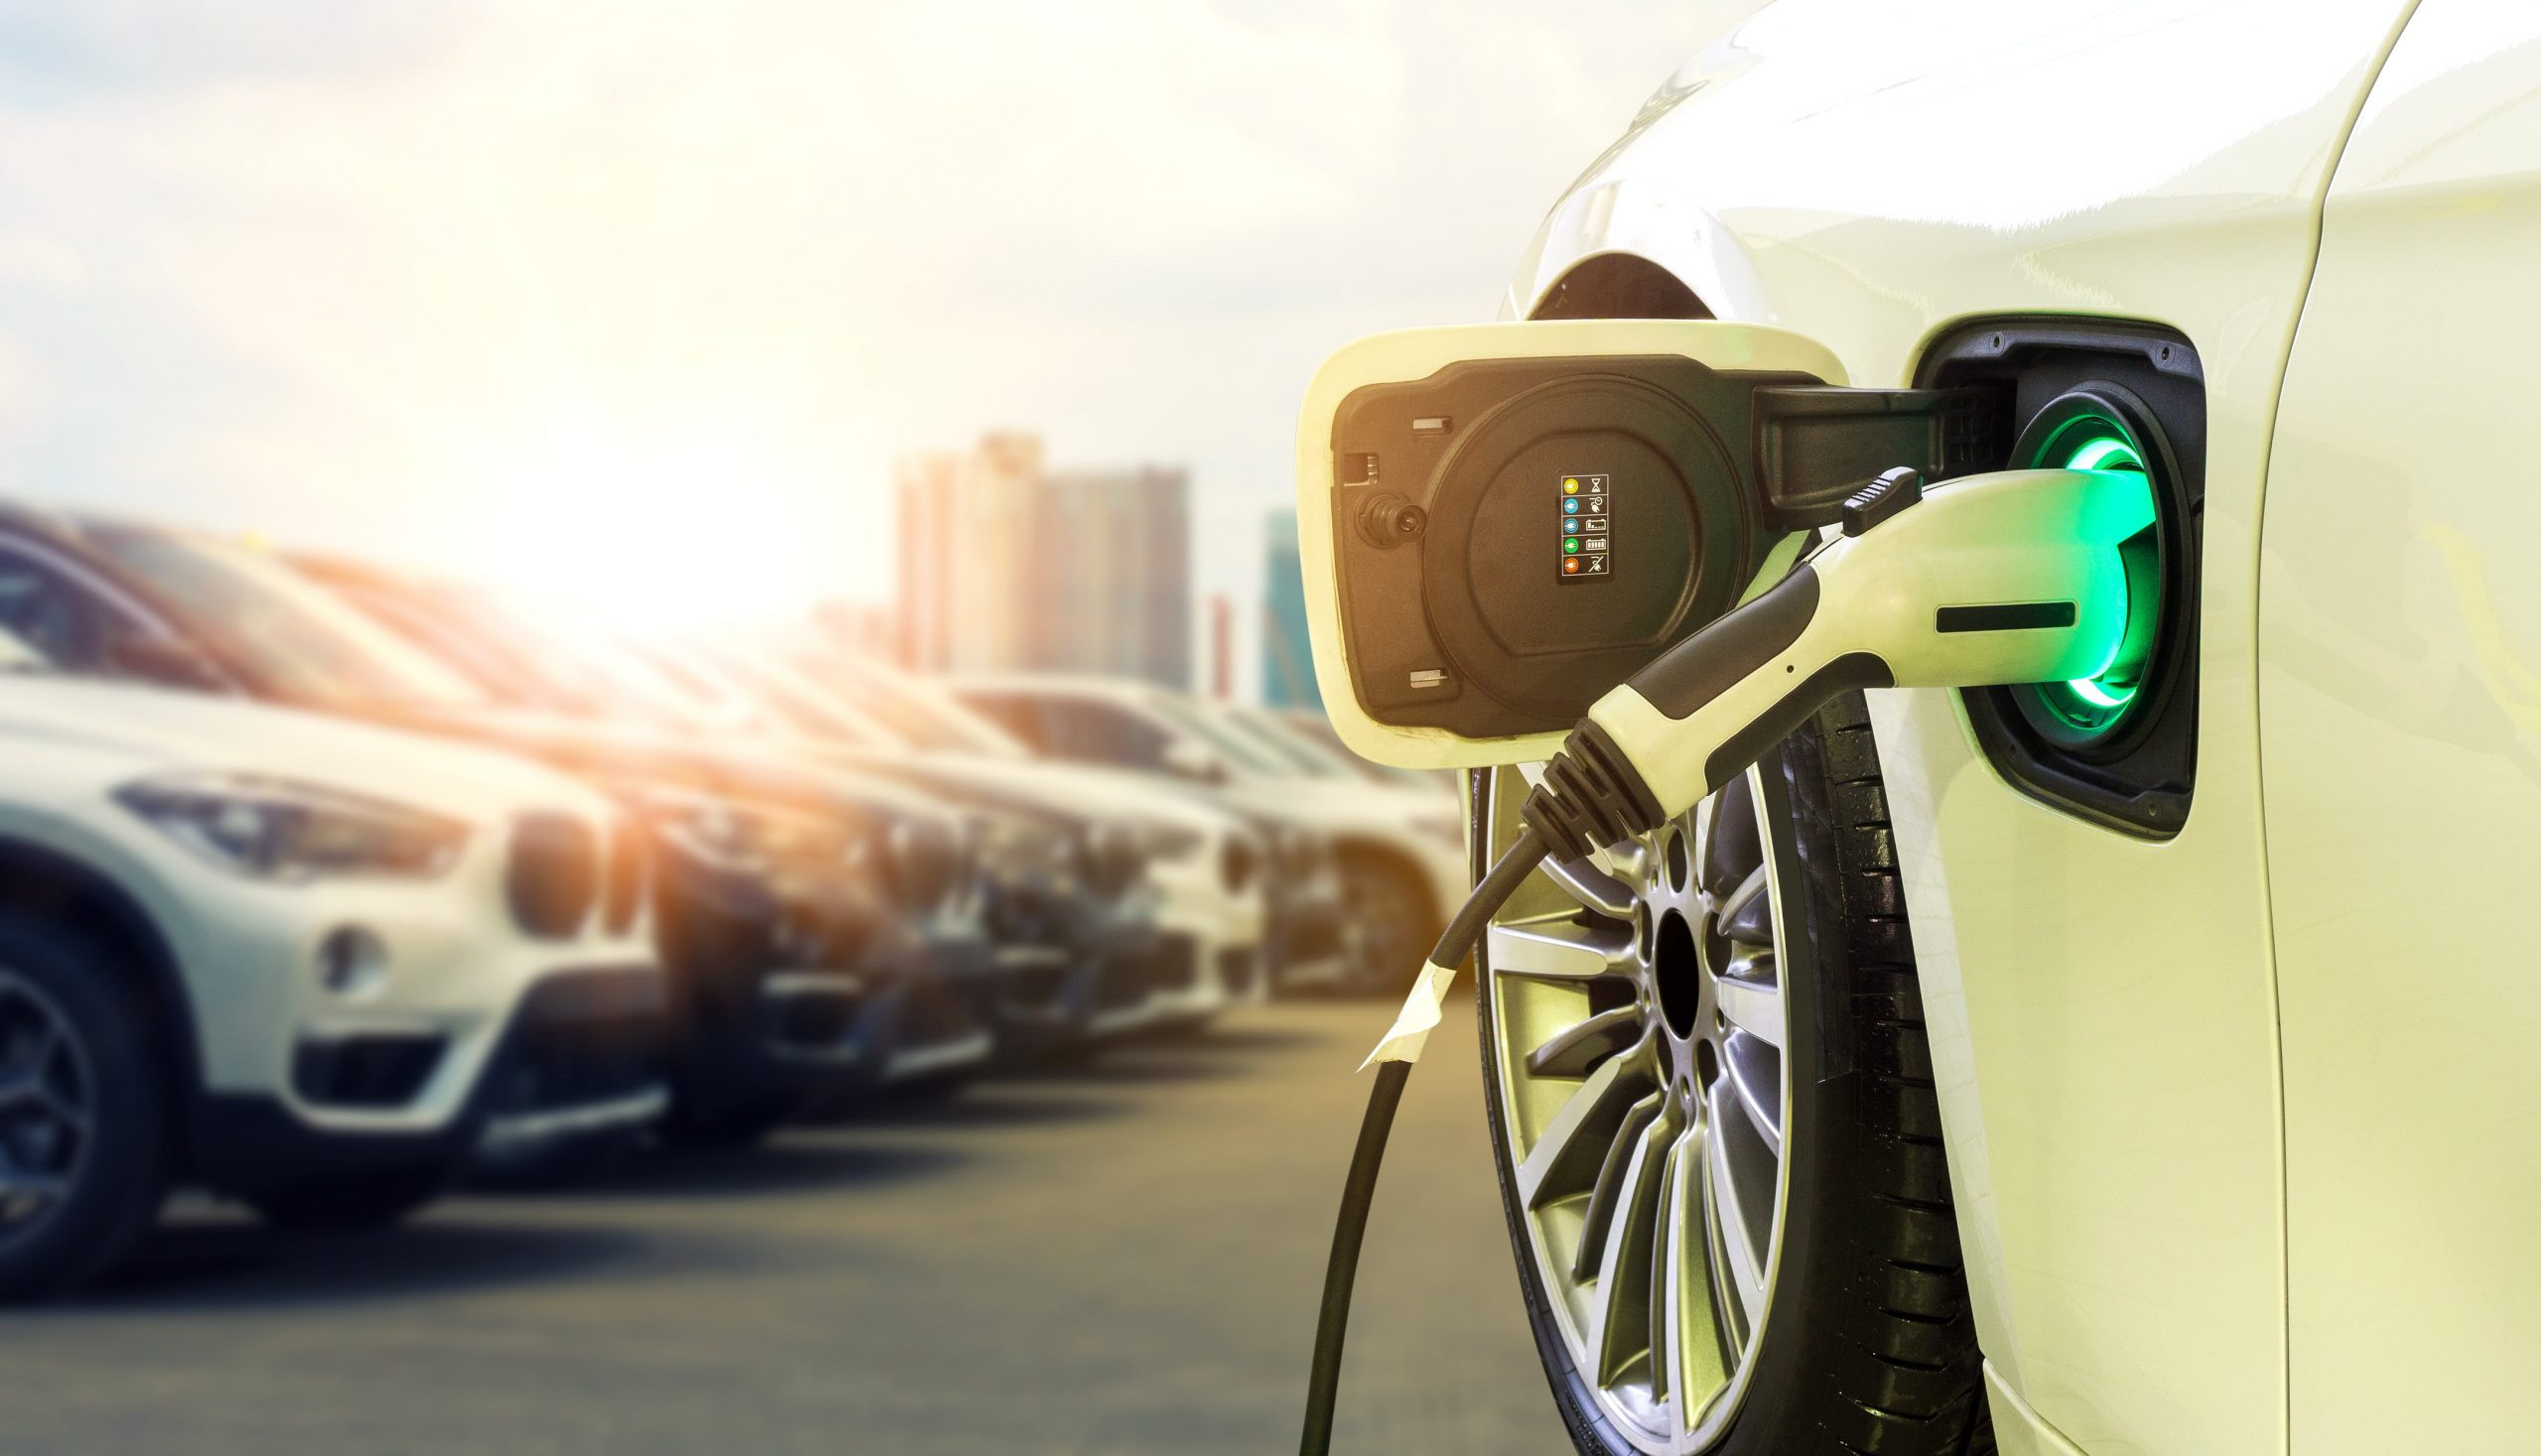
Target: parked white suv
{"x":1398,"y":854}
{"x":313,"y":965}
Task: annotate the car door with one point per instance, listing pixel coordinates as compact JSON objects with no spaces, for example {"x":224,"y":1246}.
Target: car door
{"x":2400,"y":704}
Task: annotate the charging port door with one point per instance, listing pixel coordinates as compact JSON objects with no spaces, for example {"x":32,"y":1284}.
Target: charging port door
{"x":1500,"y":522}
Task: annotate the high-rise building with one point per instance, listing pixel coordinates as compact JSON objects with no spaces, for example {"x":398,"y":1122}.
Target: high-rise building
{"x":1111,"y":574}
{"x":1287,"y":659}
{"x":1004,"y":563}
{"x":964,"y":536}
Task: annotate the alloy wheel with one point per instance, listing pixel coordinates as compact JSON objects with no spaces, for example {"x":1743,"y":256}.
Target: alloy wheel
{"x":47,"y":1108}
{"x":1637,"y":1057}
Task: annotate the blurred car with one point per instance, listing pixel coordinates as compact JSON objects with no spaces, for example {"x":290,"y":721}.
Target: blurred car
{"x":1204,"y":862}
{"x":788,"y":903}
{"x":1060,"y":901}
{"x":304,"y":962}
{"x":1393,"y":857}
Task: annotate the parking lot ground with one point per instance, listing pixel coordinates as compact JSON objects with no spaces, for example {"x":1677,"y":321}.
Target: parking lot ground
{"x":1121,"y":1259}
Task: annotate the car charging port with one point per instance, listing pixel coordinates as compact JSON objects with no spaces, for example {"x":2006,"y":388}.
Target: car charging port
{"x":2118,"y":747}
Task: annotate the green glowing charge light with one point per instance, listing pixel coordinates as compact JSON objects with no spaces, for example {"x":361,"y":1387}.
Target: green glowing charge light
{"x":2097,"y":702}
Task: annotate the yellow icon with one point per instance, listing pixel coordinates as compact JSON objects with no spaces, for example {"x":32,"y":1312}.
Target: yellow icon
{"x":1570,"y":487}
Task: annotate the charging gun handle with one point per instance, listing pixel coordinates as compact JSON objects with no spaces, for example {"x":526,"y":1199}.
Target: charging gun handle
{"x":2012,"y":576}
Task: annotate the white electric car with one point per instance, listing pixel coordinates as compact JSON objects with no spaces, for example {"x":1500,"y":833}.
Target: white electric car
{"x":1397,"y":854}
{"x":308,"y":964}
{"x":2139,"y":1064}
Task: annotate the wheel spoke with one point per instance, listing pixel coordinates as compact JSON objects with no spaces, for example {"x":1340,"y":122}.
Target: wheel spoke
{"x":1565,"y":1161}
{"x":1749,"y":896}
{"x":1622,"y":1156}
{"x":1739,"y":1267}
{"x":16,"y":1184}
{"x":1753,"y":1007}
{"x":1593,"y":887}
{"x":1752,"y":1071}
{"x":1732,"y":846}
{"x":1574,"y":1050}
{"x":1622,"y":1312}
{"x":1752,"y":925}
{"x":1690,"y":1362}
{"x":1560,"y":950}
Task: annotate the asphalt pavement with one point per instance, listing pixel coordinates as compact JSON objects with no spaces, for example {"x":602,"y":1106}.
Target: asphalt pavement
{"x":1122,"y":1259}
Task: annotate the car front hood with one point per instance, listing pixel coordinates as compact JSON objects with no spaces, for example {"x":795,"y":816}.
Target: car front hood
{"x":165,"y":731}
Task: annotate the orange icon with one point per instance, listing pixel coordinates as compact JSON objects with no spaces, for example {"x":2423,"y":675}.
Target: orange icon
{"x":1571,"y":565}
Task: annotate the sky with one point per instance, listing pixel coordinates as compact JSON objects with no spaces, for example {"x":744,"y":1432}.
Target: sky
{"x":638,"y":302}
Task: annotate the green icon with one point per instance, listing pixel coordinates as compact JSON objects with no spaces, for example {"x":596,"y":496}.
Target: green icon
{"x":1571,"y":542}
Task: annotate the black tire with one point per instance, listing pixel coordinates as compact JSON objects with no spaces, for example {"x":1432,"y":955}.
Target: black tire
{"x":355,"y":1203}
{"x":1871,"y":1346}
{"x":1392,"y":909}
{"x":737,"y":1123}
{"x":121,"y":1179}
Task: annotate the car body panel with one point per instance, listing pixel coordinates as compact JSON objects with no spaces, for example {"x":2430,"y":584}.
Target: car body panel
{"x":2402,"y":713}
{"x":2109,"y":1081}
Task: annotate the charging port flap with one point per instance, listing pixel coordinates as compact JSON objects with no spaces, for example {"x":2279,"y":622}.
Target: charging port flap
{"x":1499,"y":522}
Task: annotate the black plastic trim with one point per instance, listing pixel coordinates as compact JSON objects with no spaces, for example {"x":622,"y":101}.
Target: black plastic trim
{"x":1849,"y":673}
{"x":1730,"y":651}
{"x":2004,"y":616}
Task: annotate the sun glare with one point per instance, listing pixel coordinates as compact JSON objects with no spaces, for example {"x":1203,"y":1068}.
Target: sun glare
{"x":659,"y":527}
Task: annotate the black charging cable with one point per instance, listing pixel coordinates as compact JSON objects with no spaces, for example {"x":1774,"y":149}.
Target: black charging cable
{"x":1359,"y":1190}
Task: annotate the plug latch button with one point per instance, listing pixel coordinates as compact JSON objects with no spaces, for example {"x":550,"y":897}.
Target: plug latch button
{"x":1891,"y":493}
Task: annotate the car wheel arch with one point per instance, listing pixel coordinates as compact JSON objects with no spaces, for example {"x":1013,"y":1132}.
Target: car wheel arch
{"x":42,"y":881}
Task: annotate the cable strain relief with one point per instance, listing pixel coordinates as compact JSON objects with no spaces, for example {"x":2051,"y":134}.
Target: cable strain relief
{"x":1590,"y":797}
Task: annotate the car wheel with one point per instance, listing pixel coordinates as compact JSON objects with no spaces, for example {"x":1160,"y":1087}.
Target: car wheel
{"x":83,"y":1111}
{"x":349,"y":1204}
{"x":1719,"y":1143}
{"x":1390,"y":910}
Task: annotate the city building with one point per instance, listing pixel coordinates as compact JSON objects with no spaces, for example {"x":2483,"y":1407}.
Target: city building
{"x":1006,"y":563}
{"x":1287,"y":661}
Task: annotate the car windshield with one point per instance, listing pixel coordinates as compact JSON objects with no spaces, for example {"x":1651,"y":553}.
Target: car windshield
{"x":297,"y":639}
{"x":1236,"y":746}
{"x":918,"y":713}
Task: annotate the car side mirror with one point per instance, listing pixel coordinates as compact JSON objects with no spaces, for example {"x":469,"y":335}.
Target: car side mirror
{"x":170,"y":662}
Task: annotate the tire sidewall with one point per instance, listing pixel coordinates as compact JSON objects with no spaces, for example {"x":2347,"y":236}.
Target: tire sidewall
{"x":122,"y":1180}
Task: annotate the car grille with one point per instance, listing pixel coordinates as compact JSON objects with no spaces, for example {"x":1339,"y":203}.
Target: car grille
{"x":580,"y":1039}
{"x":1177,"y":966}
{"x":1126,"y":981}
{"x":553,"y":876}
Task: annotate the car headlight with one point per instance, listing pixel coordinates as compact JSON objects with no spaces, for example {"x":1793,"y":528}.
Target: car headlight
{"x":275,"y":828}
